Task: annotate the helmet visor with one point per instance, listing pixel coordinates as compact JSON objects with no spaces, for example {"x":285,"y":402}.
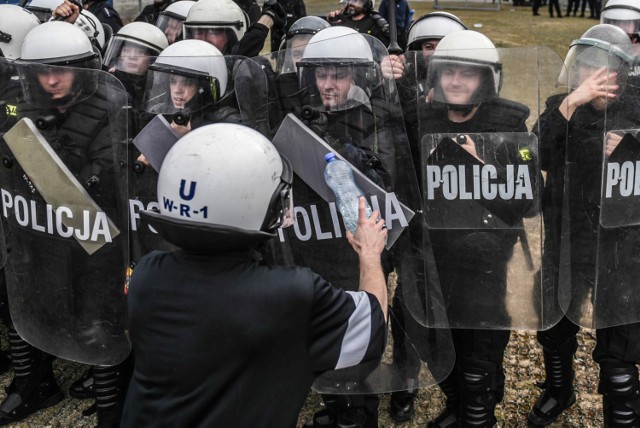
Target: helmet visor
{"x":171,"y":27}
{"x":129,"y":56}
{"x":173,"y":90}
{"x":332,"y":86}
{"x":584,"y":59}
{"x":49,"y":86}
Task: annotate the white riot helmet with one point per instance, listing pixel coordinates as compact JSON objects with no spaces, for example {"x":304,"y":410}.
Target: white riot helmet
{"x":207,"y":17}
{"x":432,"y":26}
{"x":624,"y":14}
{"x":134,"y":47}
{"x":603,"y":45}
{"x":472,"y":51}
{"x":45,"y":50}
{"x":222,"y":186}
{"x":42,"y":8}
{"x":185,"y":64}
{"x":15,"y":23}
{"x":93,"y":28}
{"x":171,"y":20}
{"x":296,"y":39}
{"x":338,"y":53}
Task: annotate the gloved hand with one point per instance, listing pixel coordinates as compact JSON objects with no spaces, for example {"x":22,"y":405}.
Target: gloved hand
{"x":276,"y":12}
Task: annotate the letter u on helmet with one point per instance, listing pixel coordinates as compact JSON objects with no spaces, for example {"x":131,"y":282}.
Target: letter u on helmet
{"x":467,"y":48}
{"x":222,"y":186}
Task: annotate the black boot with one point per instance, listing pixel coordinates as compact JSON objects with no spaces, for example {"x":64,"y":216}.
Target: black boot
{"x":480,"y":390}
{"x":449,"y":416}
{"x":402,"y":405}
{"x":620,"y":389}
{"x":110,"y":384}
{"x":558,"y":394}
{"x":83,"y":387}
{"x":33,"y":386}
{"x":347,"y":411}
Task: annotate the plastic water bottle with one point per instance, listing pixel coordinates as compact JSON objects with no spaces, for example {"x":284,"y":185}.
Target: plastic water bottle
{"x":339,"y":177}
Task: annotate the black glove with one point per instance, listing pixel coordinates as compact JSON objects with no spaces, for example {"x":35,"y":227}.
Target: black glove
{"x":275,"y":12}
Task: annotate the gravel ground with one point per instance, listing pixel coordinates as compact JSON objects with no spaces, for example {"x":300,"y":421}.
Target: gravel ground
{"x":523,"y":363}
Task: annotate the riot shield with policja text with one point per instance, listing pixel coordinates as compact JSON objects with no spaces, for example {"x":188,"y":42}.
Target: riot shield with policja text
{"x":365,"y":128}
{"x":600,"y":214}
{"x":64,"y":200}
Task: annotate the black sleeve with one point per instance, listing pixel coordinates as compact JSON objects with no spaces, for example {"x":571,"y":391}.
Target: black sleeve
{"x":252,"y":42}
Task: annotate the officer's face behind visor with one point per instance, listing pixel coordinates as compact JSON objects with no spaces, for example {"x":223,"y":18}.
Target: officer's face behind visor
{"x":57,"y":82}
{"x":591,"y":59}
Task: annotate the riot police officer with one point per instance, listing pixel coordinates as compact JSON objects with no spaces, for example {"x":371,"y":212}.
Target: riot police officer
{"x":63,"y":93}
{"x":471,"y":259}
{"x":571,"y":129}
{"x":225,"y":25}
{"x":361,"y":16}
{"x":130,"y":52}
{"x":207,"y":294}
{"x":171,"y":20}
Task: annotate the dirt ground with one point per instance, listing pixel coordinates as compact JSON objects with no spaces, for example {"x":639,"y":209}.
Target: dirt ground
{"x":523,"y":364}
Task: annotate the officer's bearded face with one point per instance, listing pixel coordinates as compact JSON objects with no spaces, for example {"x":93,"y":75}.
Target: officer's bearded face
{"x":460,"y":83}
{"x":57,"y":82}
{"x":182,"y":90}
{"x":355,"y":7}
{"x":334,"y":84}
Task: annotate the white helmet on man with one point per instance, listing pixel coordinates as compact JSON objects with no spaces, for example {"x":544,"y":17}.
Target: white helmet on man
{"x":58,"y":43}
{"x":432,"y":26}
{"x":603,"y":45}
{"x":15,"y":23}
{"x":624,"y":14}
{"x":472,"y":49}
{"x":137,"y":39}
{"x":199,"y":62}
{"x":213,"y":15}
{"x":171,"y":20}
{"x":220,"y":186}
{"x":345,"y":49}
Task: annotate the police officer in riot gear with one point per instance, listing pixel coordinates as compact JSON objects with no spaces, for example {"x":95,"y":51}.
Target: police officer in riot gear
{"x":571,"y":129}
{"x":361,"y":16}
{"x":225,"y":25}
{"x":624,"y":14}
{"x":465,"y":75}
{"x":105,"y":13}
{"x":15,"y":24}
{"x":72,"y":108}
{"x":130,"y":52}
{"x":338,"y":82}
{"x":218,"y":229}
{"x":94,"y":29}
{"x":171,"y":20}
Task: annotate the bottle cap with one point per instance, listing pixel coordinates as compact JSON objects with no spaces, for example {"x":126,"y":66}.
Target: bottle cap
{"x":329,"y":157}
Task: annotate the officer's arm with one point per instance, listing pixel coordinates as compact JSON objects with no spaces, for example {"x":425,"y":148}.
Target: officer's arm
{"x":369,"y":241}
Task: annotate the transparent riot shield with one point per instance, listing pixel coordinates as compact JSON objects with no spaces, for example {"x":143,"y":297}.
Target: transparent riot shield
{"x":64,"y":200}
{"x":363,"y":126}
{"x":480,"y":182}
{"x":244,"y":100}
{"x":481,"y":195}
{"x":600,"y":212}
